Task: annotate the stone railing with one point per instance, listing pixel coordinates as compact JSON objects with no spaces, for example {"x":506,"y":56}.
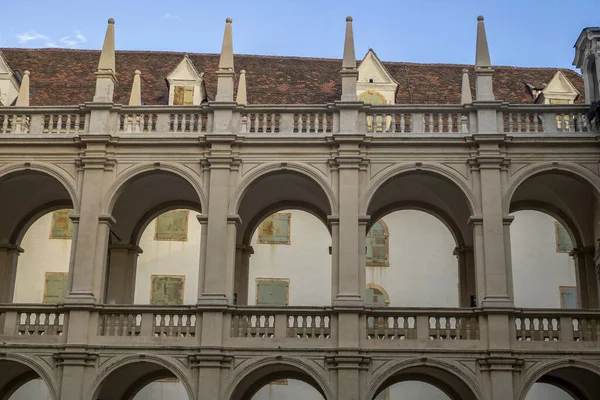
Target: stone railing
{"x":148,"y":321}
{"x":31,"y":320}
{"x":164,"y":119}
{"x":41,"y":120}
{"x":285,"y":322}
{"x":534,"y":118}
{"x":548,"y":325}
{"x":416,"y":119}
{"x":281,"y":119}
{"x":428,"y":324}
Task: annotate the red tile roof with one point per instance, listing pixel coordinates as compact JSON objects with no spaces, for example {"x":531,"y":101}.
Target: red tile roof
{"x":66,"y":77}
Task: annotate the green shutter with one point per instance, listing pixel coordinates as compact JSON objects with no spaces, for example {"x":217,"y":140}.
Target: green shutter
{"x":172,"y":225}
{"x":159,"y":291}
{"x":374,"y":298}
{"x":55,"y":287}
{"x":569,"y":298}
{"x":62,"y":226}
{"x":281,"y":228}
{"x":174,"y":291}
{"x":272,"y":293}
{"x":563,"y":240}
{"x":167,"y":290}
{"x":370,"y":241}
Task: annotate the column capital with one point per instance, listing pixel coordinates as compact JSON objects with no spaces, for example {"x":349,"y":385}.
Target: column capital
{"x":106,"y":219}
{"x":582,"y":250}
{"x":364,"y":219}
{"x":475,"y":220}
{"x":508,"y":219}
{"x":202,"y":218}
{"x":462,"y":249}
{"x":245,"y":248}
{"x":7,"y":247}
{"x":500,"y":363}
{"x":123,"y":247}
{"x":234,"y":219}
{"x":333,"y":219}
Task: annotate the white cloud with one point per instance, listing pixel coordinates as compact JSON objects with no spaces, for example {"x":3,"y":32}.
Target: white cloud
{"x":37,"y":39}
{"x":170,"y":16}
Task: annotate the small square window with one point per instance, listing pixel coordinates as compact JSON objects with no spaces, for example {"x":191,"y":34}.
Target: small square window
{"x":568,"y":297}
{"x":167,"y":290}
{"x":55,"y":287}
{"x":62,"y":226}
{"x":272,"y":292}
{"x":183,"y":96}
{"x":275,"y":229}
{"x":172,"y":225}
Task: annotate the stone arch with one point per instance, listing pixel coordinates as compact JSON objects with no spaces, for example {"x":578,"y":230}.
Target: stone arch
{"x":384,"y":292}
{"x":53,"y":171}
{"x":538,"y":371}
{"x":452,"y":378}
{"x":433,"y":168}
{"x":305,"y":170}
{"x":36,"y":368}
{"x":436,"y":212}
{"x":292,"y":205}
{"x":141,"y":226}
{"x":535,"y":169}
{"x":167,"y":364}
{"x":138,"y":170}
{"x":250,"y":376}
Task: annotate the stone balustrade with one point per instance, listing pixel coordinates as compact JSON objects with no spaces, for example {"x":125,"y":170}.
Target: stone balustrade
{"x":534,"y":118}
{"x":32,"y":320}
{"x":392,"y":119}
{"x":260,"y":119}
{"x":69,"y":120}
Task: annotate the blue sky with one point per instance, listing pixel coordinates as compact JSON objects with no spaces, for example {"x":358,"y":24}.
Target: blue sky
{"x":520,"y":32}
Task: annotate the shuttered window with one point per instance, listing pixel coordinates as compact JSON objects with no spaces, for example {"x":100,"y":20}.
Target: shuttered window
{"x":183,"y":96}
{"x":272,"y":292}
{"x":55,"y":287}
{"x":167,"y":290}
{"x":378,"y":246}
{"x":62,"y":226}
{"x":275,"y":229}
{"x":563,"y":239}
{"x":172,"y":225}
{"x":568,"y":297}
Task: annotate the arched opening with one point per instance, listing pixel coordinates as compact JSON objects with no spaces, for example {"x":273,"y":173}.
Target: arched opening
{"x":418,"y":238}
{"x":28,"y":248}
{"x":423,"y":382}
{"x":282,"y":237}
{"x":565,"y":383}
{"x":20,"y":382}
{"x":142,"y":381}
{"x":553,"y":236}
{"x":291,"y":261}
{"x":154,"y":245}
{"x":279,"y":381}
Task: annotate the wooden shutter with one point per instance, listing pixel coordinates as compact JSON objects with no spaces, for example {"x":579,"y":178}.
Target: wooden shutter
{"x":172,"y":225}
{"x":374,"y":298}
{"x":281,"y":228}
{"x":563,"y":240}
{"x":377,"y":246}
{"x":62,"y":226}
{"x":188,"y":96}
{"x":272,"y":293}
{"x":178,"y":95}
{"x":370,"y":241}
{"x":55,"y":287}
{"x":167,"y":290}
{"x":569,"y":297}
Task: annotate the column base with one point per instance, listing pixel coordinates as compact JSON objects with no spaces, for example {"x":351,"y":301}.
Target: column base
{"x":213,"y":299}
{"x":497,"y":302}
{"x":80,"y":299}
{"x":348,"y":300}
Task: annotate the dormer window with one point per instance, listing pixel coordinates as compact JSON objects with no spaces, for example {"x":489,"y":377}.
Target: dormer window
{"x":185,"y":84}
{"x":183,"y":96}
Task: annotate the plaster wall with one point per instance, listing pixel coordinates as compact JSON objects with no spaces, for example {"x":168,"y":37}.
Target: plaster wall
{"x":41,"y":254}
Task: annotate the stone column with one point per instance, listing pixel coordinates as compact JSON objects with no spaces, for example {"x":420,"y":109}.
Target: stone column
{"x":8,"y":271}
{"x":334,"y":223}
{"x":466,"y":275}
{"x":242,"y":271}
{"x":587,"y":277}
{"x":122,"y":265}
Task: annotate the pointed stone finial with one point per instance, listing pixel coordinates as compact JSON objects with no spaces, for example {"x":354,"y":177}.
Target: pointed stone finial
{"x":484,"y":88}
{"x":107,"y":57}
{"x":482,"y":56}
{"x":105,"y":76}
{"x":242,"y":97}
{"x":135,"y":99}
{"x":23,"y":99}
{"x":349,"y":71}
{"x":465,"y":94}
{"x":225,"y":73}
{"x":349,"y":56}
{"x":226,"y":60}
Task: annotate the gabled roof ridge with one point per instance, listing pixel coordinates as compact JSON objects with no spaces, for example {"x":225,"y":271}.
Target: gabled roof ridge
{"x":283,"y":57}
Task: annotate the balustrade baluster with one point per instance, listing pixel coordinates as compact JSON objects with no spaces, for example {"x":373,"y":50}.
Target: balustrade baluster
{"x":430,"y":122}
{"x":393,"y":123}
{"x":450,"y":123}
{"x":402,"y":124}
{"x":440,"y":123}
{"x":527,"y":123}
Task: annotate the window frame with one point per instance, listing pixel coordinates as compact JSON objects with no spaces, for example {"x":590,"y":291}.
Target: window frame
{"x":287,"y":292}
{"x":172,"y":239}
{"x":184,"y":89}
{"x":386,"y":235}
{"x":262,"y":240}
{"x":562,"y":302}
{"x":154,"y":276}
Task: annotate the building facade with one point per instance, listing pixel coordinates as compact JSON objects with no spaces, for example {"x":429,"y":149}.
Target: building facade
{"x":305,"y":229}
